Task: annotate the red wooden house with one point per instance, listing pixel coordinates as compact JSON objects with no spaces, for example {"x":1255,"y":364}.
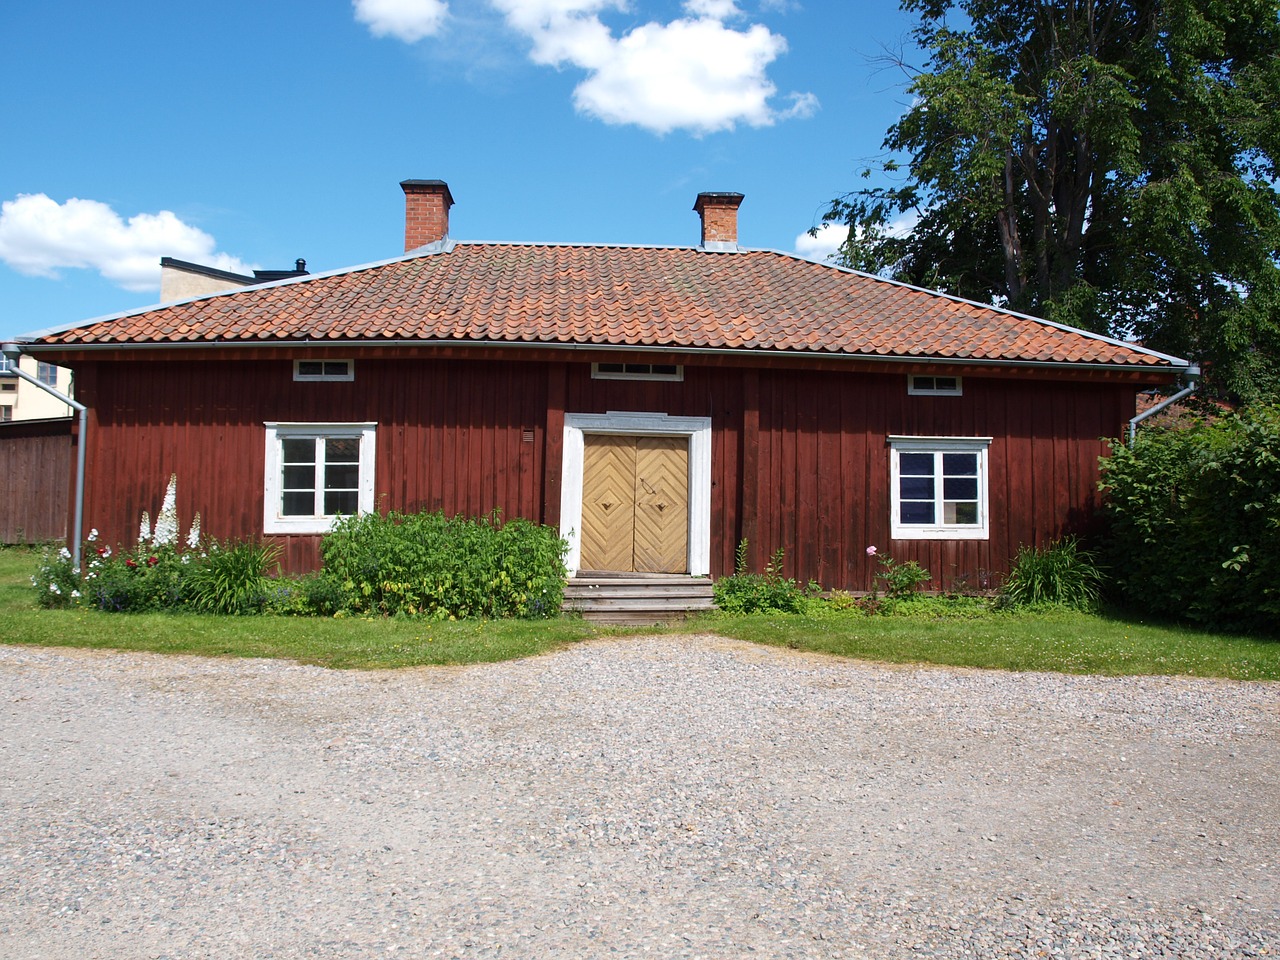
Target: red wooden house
{"x":657,"y":404}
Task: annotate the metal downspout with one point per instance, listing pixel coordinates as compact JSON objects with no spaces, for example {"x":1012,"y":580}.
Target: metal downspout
{"x":1193,"y":374}
{"x":14,"y":352}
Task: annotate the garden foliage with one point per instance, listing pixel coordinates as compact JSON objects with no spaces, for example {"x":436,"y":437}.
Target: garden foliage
{"x":411,"y":564}
{"x":1060,"y":574}
{"x":767,"y":592}
{"x":446,"y":567}
{"x":1194,"y":521}
{"x":153,"y":577}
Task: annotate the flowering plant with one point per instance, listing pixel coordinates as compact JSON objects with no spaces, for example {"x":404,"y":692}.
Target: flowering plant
{"x":900,"y":579}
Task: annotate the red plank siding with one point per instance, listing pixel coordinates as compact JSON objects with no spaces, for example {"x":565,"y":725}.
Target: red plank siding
{"x":799,"y":457}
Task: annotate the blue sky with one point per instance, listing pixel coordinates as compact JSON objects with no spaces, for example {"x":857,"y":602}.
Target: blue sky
{"x":251,"y":134}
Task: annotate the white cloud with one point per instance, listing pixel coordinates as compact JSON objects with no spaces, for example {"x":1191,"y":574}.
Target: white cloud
{"x":825,"y":245}
{"x":694,"y":73}
{"x":830,"y":236}
{"x":407,"y":20}
{"x":718,"y":9}
{"x":39,"y":237}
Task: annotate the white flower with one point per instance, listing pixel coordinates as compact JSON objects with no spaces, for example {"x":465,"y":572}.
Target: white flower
{"x":93,"y":534}
{"x":64,"y":553}
{"x":193,"y":536}
{"x":107,"y":552}
{"x":186,"y":558}
{"x":53,"y":588}
{"x":75,"y":594}
{"x":167,"y":519}
{"x":144,"y":531}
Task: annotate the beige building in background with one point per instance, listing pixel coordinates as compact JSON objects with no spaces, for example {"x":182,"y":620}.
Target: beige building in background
{"x":179,"y":280}
{"x":20,"y":400}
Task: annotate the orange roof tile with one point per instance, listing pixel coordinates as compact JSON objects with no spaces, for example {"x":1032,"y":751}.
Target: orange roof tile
{"x":612,"y":296}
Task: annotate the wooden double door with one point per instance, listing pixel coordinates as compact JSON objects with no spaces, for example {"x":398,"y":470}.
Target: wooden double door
{"x":635,"y":504}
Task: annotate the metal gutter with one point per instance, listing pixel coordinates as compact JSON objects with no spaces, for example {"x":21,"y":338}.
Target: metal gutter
{"x":13,"y":351}
{"x":1175,"y":363}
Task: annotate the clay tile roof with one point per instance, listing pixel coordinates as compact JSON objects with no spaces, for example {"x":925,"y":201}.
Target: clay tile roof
{"x":613,"y":296}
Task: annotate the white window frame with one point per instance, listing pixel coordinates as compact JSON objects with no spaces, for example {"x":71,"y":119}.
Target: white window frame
{"x":273,"y":521}
{"x":598,"y":374}
{"x":939,"y":531}
{"x":915,"y":389}
{"x":301,"y":377}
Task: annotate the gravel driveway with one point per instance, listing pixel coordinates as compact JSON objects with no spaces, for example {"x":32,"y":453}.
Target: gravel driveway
{"x":668,"y":797}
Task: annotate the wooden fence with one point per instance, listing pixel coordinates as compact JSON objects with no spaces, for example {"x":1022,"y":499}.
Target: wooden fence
{"x":35,"y":457}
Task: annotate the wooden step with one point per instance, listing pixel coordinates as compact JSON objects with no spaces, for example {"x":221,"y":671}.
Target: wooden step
{"x":637,"y":599}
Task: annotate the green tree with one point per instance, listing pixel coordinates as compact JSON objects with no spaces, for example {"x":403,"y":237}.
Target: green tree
{"x":1109,"y":164}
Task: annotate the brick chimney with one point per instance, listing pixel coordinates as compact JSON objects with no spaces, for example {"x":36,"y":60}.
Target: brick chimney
{"x":426,"y":212}
{"x":719,"y":213}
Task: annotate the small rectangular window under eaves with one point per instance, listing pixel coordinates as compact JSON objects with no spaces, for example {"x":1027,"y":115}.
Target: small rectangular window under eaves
{"x":304,"y":370}
{"x":637,"y":371}
{"x":934,"y":386}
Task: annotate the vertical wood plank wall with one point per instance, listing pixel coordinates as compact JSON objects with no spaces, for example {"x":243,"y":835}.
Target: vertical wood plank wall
{"x":37,"y":462}
{"x":799,"y":458}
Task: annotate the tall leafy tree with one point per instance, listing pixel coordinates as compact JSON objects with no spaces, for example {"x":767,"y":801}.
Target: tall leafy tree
{"x":1110,"y":164}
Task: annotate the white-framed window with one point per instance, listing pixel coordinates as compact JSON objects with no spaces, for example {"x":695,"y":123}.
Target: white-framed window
{"x":316,"y":472}
{"x":637,"y":371}
{"x":47,"y":373}
{"x":938,"y":488}
{"x":6,"y":413}
{"x":6,"y":364}
{"x":930,"y":386}
{"x":324,"y":370}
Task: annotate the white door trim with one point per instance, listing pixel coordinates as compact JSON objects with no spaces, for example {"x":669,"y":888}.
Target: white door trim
{"x":697,"y":429}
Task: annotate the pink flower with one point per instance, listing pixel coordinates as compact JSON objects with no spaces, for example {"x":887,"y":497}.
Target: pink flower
{"x":871,"y":550}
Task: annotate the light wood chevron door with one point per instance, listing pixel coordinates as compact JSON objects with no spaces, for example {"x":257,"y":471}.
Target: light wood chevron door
{"x":635,"y":504}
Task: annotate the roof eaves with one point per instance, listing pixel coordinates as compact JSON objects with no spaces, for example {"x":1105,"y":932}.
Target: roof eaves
{"x":980,"y":362}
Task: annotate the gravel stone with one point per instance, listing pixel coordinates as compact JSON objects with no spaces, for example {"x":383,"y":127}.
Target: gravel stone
{"x":655,"y":797}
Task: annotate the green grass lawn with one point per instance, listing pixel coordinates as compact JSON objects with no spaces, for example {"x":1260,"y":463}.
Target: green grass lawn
{"x":1059,"y":641}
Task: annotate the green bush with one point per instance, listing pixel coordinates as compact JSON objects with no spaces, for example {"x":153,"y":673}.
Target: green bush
{"x":432,"y":565}
{"x":900,"y":579}
{"x":767,"y":592}
{"x":231,"y":578}
{"x":1194,"y":521}
{"x":1061,"y":574}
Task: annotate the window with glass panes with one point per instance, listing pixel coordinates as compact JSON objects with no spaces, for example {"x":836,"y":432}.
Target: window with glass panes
{"x":316,"y":472}
{"x":939,"y":487}
{"x":321,"y":476}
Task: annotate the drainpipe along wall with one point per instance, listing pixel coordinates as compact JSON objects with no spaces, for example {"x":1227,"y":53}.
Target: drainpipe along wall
{"x":1193,"y":375}
{"x":14,"y":352}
